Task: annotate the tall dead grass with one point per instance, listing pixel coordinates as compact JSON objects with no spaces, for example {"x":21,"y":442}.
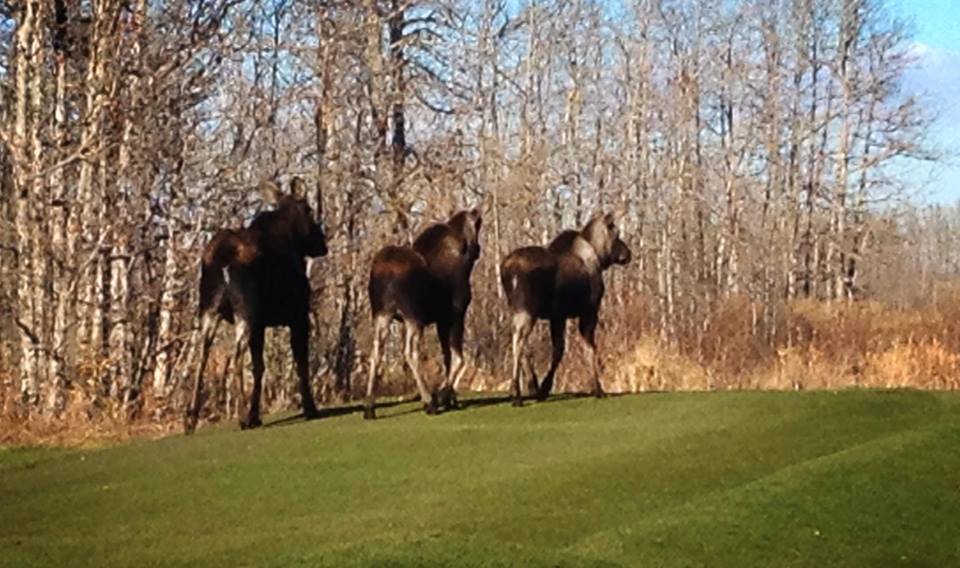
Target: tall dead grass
{"x":83,"y":422}
{"x":812,"y":345}
{"x":716,"y":345}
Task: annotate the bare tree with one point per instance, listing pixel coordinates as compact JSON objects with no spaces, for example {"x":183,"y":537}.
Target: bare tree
{"x":754,"y":151}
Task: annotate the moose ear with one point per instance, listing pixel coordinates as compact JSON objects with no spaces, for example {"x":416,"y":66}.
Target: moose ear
{"x":269,"y":192}
{"x":609,"y":218}
{"x":298,"y":188}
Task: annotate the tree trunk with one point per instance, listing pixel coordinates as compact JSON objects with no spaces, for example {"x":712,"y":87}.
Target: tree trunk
{"x":835,"y":256}
{"x":60,"y":263}
{"x":168,"y":305}
{"x":83,"y":229}
{"x":121,"y":337}
{"x":24,"y":199}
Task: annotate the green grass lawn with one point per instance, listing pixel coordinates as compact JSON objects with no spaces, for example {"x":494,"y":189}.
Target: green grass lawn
{"x":854,"y":478}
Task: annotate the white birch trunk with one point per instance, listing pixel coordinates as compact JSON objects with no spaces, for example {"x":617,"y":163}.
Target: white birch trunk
{"x":118,"y":338}
{"x":168,"y":300}
{"x":27,"y":363}
{"x":83,"y":226}
{"x":38,"y":199}
{"x":59,"y":272}
{"x":121,"y":333}
{"x":849,"y":30}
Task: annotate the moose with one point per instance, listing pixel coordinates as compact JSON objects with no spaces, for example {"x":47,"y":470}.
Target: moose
{"x":557,"y":283}
{"x":419,"y":285}
{"x":255,"y":277}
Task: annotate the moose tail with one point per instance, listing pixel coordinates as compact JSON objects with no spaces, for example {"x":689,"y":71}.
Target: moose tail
{"x":212,"y":284}
{"x":213,"y":280}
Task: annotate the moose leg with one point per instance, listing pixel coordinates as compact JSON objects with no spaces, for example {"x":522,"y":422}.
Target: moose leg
{"x":588,"y":330}
{"x":443,"y":334}
{"x":240,"y":337}
{"x":299,"y":344}
{"x":411,"y":345}
{"x":380,"y":326}
{"x":208,"y":329}
{"x":256,"y":358}
{"x":532,"y":385}
{"x":522,"y":324}
{"x":558,"y":331}
{"x":456,"y":368}
{"x":459,"y":361}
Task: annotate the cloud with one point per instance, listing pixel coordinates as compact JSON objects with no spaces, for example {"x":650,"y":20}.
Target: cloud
{"x":935,"y":74}
{"x":920,"y":49}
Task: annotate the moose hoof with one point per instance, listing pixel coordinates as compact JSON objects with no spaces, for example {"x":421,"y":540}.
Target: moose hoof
{"x":517,"y":402}
{"x":189,"y":425}
{"x":432,"y":407}
{"x":250,"y":424}
{"x":598,"y":393}
{"x":311,"y":414}
{"x":448,"y":399}
{"x":369,"y":413}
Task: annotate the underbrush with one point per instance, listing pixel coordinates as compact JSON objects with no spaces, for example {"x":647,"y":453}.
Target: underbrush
{"x":812,"y":345}
{"x":720,"y":345}
{"x":82,"y":422}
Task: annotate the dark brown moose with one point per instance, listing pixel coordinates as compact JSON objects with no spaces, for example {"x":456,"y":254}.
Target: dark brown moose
{"x":557,"y":283}
{"x":423,"y":284}
{"x":256,"y":278}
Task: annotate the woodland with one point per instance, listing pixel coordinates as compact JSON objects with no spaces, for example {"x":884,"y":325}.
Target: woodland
{"x":760,"y":157}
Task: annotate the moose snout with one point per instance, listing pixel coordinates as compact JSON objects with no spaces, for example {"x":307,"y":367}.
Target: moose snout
{"x":621,"y":252}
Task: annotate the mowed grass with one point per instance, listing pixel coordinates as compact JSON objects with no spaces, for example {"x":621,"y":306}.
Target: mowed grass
{"x":855,"y":478}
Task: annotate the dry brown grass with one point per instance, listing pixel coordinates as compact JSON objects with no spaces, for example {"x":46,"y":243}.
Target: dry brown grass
{"x":652,"y":366}
{"x":82,"y":423}
{"x":928,"y":364}
{"x":814,"y":345}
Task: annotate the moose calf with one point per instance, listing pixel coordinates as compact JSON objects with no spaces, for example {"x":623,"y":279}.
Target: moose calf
{"x":557,"y":283}
{"x":257,"y":278}
{"x":427,"y":283}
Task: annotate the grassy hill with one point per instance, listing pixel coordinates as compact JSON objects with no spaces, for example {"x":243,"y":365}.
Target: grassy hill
{"x":854,"y":478}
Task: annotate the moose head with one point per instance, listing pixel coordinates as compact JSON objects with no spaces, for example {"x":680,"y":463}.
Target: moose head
{"x":467,"y":223}
{"x":294,"y":220}
{"x":604,"y":235}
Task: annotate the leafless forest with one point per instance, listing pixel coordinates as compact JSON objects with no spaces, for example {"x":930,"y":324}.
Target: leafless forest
{"x":757,"y":154}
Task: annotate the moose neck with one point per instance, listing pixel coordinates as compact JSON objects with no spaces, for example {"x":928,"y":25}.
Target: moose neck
{"x":600,"y":240}
{"x":459,"y":224}
{"x":583,"y":249}
{"x":276,"y":234}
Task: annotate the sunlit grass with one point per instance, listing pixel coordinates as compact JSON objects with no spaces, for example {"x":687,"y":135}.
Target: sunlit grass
{"x":856,"y":478}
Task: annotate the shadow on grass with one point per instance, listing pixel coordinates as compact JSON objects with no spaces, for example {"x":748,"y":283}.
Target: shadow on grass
{"x":465,"y":404}
{"x":357,"y":408}
{"x":334,"y":411}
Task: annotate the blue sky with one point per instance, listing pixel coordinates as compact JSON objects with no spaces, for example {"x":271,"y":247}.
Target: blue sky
{"x":936,"y":26}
